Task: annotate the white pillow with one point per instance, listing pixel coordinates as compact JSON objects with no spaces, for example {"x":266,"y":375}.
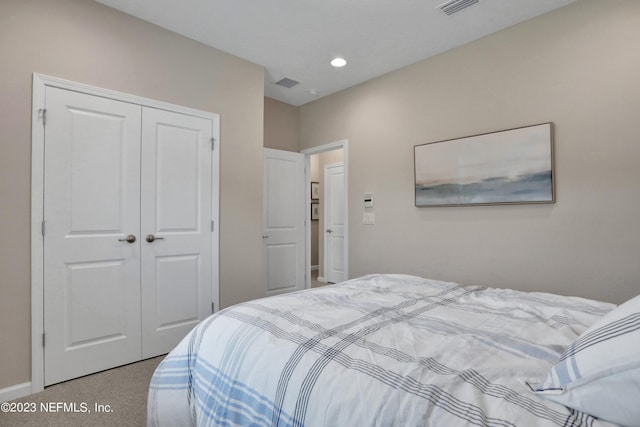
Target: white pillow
{"x":599,"y":374}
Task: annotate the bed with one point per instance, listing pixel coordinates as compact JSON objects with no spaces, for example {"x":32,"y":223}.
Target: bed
{"x":381,"y":350}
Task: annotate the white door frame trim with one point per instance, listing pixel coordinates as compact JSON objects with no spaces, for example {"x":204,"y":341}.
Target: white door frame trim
{"x":344,"y":144}
{"x":40,"y":82}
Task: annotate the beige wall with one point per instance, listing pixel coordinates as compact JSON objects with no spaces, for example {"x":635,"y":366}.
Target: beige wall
{"x":281,"y":122}
{"x":577,"y":67}
{"x":86,"y":42}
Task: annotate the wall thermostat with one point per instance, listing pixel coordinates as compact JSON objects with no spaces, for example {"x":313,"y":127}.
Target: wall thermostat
{"x":368,"y":200}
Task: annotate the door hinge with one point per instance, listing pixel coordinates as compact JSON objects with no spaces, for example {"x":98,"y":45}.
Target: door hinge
{"x":213,"y":307}
{"x":43,"y":339}
{"x":43,"y":113}
{"x":43,"y":228}
{"x":213,"y":144}
{"x":213,"y":225}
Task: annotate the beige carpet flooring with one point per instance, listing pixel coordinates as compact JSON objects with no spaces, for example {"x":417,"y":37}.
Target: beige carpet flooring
{"x":120,"y":393}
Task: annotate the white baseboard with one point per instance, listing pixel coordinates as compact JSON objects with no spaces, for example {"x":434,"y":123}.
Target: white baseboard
{"x":15,"y":392}
{"x":315,"y":267}
{"x":322,"y":280}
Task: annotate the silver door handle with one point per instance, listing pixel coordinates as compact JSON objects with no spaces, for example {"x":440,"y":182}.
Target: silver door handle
{"x":329,"y":230}
{"x":129,"y":239}
{"x":151,"y":238}
{"x":265,"y":237}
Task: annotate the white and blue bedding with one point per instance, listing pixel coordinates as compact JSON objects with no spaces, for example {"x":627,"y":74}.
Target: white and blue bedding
{"x":380,"y":350}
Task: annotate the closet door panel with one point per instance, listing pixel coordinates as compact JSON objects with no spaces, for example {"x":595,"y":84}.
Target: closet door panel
{"x":91,"y":205}
{"x":176,"y":217}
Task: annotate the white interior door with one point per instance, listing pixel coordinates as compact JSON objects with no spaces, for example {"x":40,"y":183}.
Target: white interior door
{"x":284,"y":221}
{"x":91,"y":205}
{"x":334,"y":223}
{"x":176,"y":227}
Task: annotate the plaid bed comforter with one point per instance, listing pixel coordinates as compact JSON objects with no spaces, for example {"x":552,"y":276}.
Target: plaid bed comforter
{"x":380,"y":350}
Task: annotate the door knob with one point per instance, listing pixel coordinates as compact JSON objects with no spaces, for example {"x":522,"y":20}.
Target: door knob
{"x":129,"y":239}
{"x":151,"y":238}
{"x":329,"y":230}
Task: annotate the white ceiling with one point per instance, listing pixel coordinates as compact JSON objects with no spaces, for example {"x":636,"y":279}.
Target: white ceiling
{"x":297,"y":38}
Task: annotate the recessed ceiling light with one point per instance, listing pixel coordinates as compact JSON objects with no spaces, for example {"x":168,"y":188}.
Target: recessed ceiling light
{"x":338,"y":62}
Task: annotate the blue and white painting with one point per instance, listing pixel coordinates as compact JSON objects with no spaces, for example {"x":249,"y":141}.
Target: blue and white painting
{"x":513,"y":166}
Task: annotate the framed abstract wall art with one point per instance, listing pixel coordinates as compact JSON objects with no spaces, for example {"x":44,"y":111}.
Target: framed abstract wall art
{"x":505,"y":167}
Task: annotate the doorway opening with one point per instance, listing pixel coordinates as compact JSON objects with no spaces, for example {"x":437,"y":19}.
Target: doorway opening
{"x":327,"y":218}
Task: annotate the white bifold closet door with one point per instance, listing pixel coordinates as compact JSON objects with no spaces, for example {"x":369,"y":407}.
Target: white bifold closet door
{"x":127,"y":240}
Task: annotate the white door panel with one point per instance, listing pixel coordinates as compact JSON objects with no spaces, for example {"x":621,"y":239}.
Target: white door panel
{"x":177,"y":175}
{"x":281,"y":266}
{"x":334,"y":223}
{"x":283,"y":221}
{"x":176,"y":211}
{"x":176,"y":305}
{"x":92,"y":277}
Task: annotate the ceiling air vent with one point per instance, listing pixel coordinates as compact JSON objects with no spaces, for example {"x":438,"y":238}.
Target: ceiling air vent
{"x":287,"y":82}
{"x":454,"y":6}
